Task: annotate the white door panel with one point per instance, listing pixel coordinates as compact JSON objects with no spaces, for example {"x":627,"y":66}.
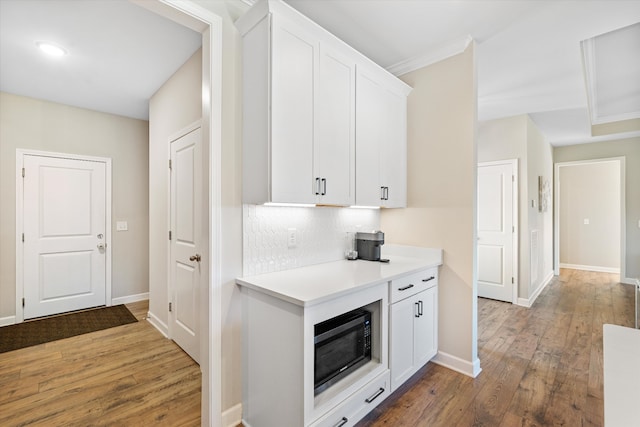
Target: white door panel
{"x":64,"y":217}
{"x":496,"y":274}
{"x":186,"y":218}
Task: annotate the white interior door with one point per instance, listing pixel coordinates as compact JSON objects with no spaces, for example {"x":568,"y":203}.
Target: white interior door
{"x":496,"y":230}
{"x":186,"y":237}
{"x":64,"y":223}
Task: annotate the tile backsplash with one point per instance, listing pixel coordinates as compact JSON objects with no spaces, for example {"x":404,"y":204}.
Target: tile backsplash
{"x":321,"y":235}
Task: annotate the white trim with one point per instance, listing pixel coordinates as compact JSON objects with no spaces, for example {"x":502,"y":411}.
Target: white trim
{"x":591,"y":268}
{"x":470,"y":369}
{"x":589,"y":64}
{"x":130,"y":298}
{"x":515,"y":193}
{"x":158,"y":324}
{"x":232,"y":416}
{"x":192,"y":15}
{"x":528,"y":302}
{"x":20,"y":153}
{"x":6,"y":321}
{"x":623,"y":213}
{"x":454,"y":48}
{"x":629,"y":281}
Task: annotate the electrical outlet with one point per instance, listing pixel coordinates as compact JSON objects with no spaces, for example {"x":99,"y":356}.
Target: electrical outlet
{"x":292,"y":238}
{"x":586,"y":221}
{"x":122,"y":226}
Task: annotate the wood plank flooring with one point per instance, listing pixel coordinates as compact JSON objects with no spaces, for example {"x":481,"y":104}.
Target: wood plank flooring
{"x":125,"y":376}
{"x":540,"y":366}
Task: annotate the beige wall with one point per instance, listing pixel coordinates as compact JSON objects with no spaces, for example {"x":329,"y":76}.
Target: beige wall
{"x":34,"y":124}
{"x":518,"y":138}
{"x":177,"y":104}
{"x":630,"y":150}
{"x":590,"y":191}
{"x":441,"y":208}
{"x":539,"y":163}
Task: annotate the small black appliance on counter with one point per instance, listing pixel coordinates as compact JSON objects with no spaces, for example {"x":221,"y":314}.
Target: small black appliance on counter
{"x":369,"y":245}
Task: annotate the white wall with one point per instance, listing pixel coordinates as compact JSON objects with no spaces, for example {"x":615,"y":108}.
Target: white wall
{"x":590,"y":191}
{"x":35,"y":124}
{"x":441,"y":196}
{"x":630,"y":150}
{"x":321,"y":235}
{"x":177,"y":104}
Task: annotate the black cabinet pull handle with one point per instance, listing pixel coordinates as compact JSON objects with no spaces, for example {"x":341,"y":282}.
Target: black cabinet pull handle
{"x":375,"y":396}
{"x":405,"y":288}
{"x":342,"y":422}
{"x":324,"y":186}
{"x":381,"y":193}
{"x":416,"y":311}
{"x":317,"y":186}
{"x":420,"y":313}
{"x":429,"y":279}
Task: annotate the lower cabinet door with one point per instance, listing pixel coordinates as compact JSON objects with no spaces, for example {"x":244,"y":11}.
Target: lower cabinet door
{"x":424,"y":333}
{"x":401,"y":324}
{"x":359,"y":404}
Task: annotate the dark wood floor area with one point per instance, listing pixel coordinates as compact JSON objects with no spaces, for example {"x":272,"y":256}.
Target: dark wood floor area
{"x":540,"y":366}
{"x":125,"y":376}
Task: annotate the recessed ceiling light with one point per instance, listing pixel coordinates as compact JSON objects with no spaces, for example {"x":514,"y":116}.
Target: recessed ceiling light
{"x":51,"y":48}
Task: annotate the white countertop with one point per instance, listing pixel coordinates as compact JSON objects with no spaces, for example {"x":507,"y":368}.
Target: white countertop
{"x":307,"y":286}
{"x":621,"y":376}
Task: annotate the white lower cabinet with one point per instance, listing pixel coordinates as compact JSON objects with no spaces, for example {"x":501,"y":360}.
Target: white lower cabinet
{"x":413,"y":323}
{"x":358,"y":405}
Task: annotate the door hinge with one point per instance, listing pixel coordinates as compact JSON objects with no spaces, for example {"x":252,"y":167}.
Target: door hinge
{"x":513,"y":228}
{"x":22,"y":237}
{"x":22,"y":302}
{"x":513,"y":178}
{"x":169,"y":163}
{"x":169,"y":234}
{"x":512,"y":280}
{"x":169,"y":307}
{"x":23,"y":172}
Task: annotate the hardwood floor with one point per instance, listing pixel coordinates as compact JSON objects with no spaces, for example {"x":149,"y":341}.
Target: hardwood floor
{"x":125,"y":376}
{"x":540,"y":366}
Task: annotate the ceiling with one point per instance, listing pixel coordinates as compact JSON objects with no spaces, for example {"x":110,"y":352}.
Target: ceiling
{"x":119,"y":54}
{"x":529,"y":56}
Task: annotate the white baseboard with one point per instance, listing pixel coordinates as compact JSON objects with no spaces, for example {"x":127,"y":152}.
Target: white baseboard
{"x":158,"y":324}
{"x":597,"y":268}
{"x":232,"y":416}
{"x":626,"y":281}
{"x":528,"y":302}
{"x":456,"y":364}
{"x":6,"y":321}
{"x":130,"y":298}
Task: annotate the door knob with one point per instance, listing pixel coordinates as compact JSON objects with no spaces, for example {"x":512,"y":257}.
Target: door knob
{"x":195,"y":257}
{"x":101,"y":246}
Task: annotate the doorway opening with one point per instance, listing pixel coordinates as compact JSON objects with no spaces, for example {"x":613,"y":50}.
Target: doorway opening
{"x":590,"y":216}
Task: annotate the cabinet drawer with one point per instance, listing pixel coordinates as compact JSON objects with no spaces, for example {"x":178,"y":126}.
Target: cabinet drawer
{"x":412,"y":284}
{"x":356,"y":406}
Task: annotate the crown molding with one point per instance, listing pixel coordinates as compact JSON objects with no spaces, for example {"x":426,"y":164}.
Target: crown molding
{"x":420,"y":61}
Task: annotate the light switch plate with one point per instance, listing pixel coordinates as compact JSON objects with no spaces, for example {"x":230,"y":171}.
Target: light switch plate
{"x":122,"y":226}
{"x":292,"y":238}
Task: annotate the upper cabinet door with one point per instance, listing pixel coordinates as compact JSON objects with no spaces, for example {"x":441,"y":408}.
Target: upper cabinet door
{"x":294,"y":63}
{"x":334,"y":152}
{"x":369,"y":140}
{"x":393,"y":158}
{"x":381,"y":142}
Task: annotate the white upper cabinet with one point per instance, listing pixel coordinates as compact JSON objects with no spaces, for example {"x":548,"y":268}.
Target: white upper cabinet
{"x":294,"y":64}
{"x":335,"y":128}
{"x":300,"y":116}
{"x":381,"y":142}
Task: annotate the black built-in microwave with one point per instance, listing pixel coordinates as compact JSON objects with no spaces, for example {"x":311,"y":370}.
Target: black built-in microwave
{"x":342,"y":345}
